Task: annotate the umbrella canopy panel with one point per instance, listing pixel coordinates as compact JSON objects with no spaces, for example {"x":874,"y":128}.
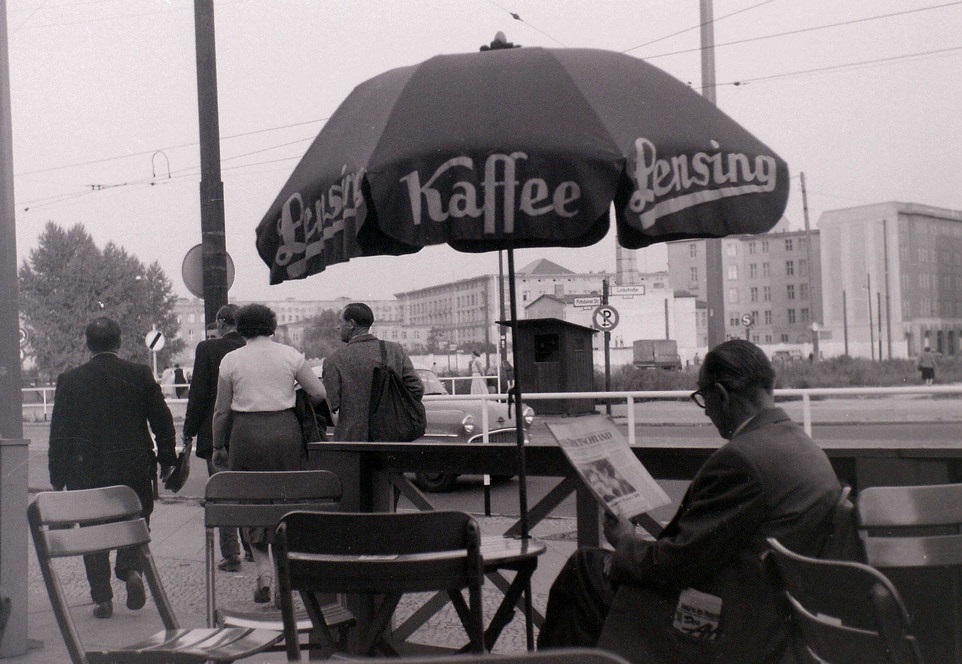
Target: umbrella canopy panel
{"x":522,"y":147}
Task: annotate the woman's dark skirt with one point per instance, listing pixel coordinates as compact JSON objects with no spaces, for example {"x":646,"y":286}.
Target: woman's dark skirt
{"x":266,"y":441}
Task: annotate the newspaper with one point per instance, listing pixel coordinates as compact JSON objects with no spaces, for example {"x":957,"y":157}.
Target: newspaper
{"x":603,"y":459}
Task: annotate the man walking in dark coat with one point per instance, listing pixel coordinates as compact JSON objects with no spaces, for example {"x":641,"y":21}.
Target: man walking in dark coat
{"x":99,"y":437}
{"x":348,"y":373}
{"x":698,"y":593}
{"x":200,"y":411}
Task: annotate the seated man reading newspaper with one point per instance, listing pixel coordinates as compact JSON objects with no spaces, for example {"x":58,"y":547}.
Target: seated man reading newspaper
{"x":697,"y":593}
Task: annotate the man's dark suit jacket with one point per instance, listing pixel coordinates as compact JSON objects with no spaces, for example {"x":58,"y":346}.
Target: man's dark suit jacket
{"x":203,"y":389}
{"x":99,"y":432}
{"x":770,"y":480}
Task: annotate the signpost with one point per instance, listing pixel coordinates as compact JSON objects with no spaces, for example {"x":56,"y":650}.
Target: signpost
{"x":628,"y":291}
{"x":605,"y":318}
{"x":154,"y":341}
{"x":748,"y":320}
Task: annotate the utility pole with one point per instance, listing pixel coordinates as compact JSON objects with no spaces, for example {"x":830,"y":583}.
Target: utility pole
{"x":714,"y":272}
{"x":211,"y":188}
{"x":812,"y":281}
{"x":871,"y":325}
{"x":13,"y":449}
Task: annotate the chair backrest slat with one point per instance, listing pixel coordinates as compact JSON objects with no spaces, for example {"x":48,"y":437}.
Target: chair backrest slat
{"x":289,"y":486}
{"x":96,"y":538}
{"x":247,"y":515}
{"x":107,"y":504}
{"x":910,"y":506}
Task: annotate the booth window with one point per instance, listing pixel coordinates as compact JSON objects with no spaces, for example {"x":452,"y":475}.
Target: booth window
{"x":547,"y":348}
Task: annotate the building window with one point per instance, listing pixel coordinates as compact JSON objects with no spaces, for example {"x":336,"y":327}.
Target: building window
{"x":733,"y":296}
{"x":788,"y":244}
{"x":803,"y":291}
{"x":734,"y":320}
{"x":751,"y":248}
{"x":766,"y":293}
{"x":732,"y":272}
{"x":754,"y":294}
{"x":768,"y":317}
{"x":753,"y":271}
{"x":765,"y":270}
{"x":791,"y":316}
{"x":789,"y":268}
{"x":804,"y":312}
{"x":731,"y":248}
{"x":764,"y":246}
{"x":790,"y":291}
{"x":692,"y":250}
{"x":784,"y":338}
{"x":803,"y":267}
{"x":693,"y":274}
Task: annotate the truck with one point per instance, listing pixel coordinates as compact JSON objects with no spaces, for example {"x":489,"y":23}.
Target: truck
{"x":657,"y":354}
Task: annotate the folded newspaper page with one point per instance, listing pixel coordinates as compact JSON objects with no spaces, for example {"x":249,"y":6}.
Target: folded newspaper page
{"x":601,"y":455}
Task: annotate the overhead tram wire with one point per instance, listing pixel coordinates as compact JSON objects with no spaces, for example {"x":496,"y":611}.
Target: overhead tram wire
{"x":798,"y":31}
{"x":697,"y":27}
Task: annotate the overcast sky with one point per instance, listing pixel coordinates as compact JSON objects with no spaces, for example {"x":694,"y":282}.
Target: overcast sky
{"x":863,"y":96}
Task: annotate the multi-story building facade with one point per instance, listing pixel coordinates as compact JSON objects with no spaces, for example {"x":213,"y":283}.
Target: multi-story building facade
{"x":895,"y":271}
{"x":772,"y":280}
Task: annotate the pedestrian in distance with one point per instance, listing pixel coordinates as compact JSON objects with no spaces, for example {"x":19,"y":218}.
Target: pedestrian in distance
{"x":254,"y":416}
{"x":100,"y":435}
{"x":926,"y":365}
{"x":199,"y":415}
{"x":478,"y":383}
{"x":698,"y":593}
{"x":180,"y":382}
{"x":349,"y":372}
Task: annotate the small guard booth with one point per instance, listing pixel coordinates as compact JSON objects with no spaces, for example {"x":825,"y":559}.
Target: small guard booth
{"x":556,"y":356}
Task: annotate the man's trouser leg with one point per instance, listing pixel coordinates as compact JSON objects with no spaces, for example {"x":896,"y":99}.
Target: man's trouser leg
{"x":128,"y":559}
{"x":97,"y":566}
{"x":229,"y":538}
{"x":578,"y":602}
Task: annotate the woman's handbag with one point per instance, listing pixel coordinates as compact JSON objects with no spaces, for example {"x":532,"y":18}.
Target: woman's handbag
{"x":313,"y":424}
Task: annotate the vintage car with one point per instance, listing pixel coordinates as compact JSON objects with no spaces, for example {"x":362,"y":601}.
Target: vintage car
{"x":460,"y":420}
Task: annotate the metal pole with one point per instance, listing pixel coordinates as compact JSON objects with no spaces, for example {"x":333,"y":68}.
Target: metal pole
{"x":812,"y":284}
{"x":845,"y":321}
{"x":211,"y":187}
{"x":518,"y":420}
{"x":13,"y":448}
{"x":714,"y":277}
{"x":871,"y":328}
{"x":502,"y":331}
{"x":604,"y":301}
{"x":878,"y":297}
{"x":888,"y":290}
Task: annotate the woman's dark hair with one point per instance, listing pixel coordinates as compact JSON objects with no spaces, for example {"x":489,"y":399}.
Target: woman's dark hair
{"x":740,"y":366}
{"x":103,"y":335}
{"x":256,"y":320}
{"x":360,"y":313}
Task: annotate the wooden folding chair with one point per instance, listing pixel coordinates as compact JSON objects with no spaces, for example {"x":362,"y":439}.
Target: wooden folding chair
{"x":384,"y":555}
{"x":914,"y":535}
{"x":74,"y":523}
{"x":842,"y":612}
{"x":246,"y":499}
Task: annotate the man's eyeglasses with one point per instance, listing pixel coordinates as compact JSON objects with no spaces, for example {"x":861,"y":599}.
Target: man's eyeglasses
{"x":698,"y":396}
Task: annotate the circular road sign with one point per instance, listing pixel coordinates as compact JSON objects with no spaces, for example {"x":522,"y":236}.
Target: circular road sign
{"x":605,"y":318}
{"x":748,"y":320}
{"x":154,"y":340}
{"x":192,"y":270}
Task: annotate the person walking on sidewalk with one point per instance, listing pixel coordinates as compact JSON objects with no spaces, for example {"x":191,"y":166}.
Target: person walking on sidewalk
{"x":348,"y":373}
{"x":478,"y":383}
{"x":200,"y":412}
{"x":99,"y":437}
{"x":926,"y":364}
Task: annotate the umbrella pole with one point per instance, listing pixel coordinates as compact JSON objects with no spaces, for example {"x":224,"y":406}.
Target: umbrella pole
{"x":519,"y":423}
{"x":519,"y":428}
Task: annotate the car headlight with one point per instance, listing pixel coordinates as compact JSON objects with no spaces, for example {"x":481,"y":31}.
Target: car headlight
{"x":528,"y":414}
{"x":468,"y":424}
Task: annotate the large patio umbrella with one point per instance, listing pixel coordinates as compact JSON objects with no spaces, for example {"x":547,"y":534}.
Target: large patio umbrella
{"x":522,"y":147}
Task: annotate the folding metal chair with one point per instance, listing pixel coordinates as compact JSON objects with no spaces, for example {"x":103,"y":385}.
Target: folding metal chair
{"x":379,"y":554}
{"x":842,"y":612}
{"x":74,"y":523}
{"x":246,"y":499}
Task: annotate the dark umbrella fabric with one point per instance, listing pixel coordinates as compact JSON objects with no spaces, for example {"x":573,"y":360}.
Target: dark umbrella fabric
{"x":513,"y":148}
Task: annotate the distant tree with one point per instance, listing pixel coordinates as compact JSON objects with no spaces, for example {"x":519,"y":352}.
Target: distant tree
{"x":67,"y":281}
{"x":321,"y":335}
{"x":436,"y":338}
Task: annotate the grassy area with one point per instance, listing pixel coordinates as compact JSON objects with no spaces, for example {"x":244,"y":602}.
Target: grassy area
{"x":835,"y":372}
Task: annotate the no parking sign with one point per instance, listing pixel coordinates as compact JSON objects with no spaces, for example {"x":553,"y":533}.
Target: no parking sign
{"x":605,"y":318}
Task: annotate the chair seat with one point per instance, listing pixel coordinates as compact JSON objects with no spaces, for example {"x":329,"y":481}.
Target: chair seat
{"x":335,"y":615}
{"x":182,"y":646}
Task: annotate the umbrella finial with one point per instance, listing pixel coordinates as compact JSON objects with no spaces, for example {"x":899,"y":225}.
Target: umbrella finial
{"x":500,"y":41}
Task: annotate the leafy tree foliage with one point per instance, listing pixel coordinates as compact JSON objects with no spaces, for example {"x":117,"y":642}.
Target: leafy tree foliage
{"x":321,"y":336}
{"x":67,"y":281}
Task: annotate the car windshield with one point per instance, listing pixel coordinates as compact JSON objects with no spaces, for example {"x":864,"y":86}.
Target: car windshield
{"x":432,"y":384}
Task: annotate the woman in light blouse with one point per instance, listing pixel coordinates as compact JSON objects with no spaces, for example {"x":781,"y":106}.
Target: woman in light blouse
{"x":254,"y":411}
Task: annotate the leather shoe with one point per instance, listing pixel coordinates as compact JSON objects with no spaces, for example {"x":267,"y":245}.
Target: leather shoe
{"x":229,"y":564}
{"x":104,"y":610}
{"x":136,"y":597}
